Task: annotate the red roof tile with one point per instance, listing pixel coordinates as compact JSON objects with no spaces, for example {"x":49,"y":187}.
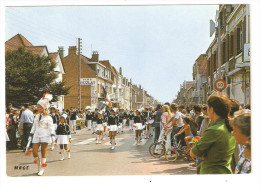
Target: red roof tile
{"x":16,"y":42}
{"x":53,"y":56}
{"x":36,"y":49}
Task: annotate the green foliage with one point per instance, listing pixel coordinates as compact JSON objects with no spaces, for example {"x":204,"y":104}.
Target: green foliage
{"x":28,"y":76}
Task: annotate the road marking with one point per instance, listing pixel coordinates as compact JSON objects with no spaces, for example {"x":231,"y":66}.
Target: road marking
{"x":143,"y":142}
{"x":118,"y":140}
{"x":85,"y":141}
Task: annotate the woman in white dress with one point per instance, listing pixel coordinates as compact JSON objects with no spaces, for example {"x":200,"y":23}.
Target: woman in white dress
{"x":41,"y":132}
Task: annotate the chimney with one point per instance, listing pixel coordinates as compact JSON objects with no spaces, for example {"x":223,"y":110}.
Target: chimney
{"x":72,"y":50}
{"x":95,"y":56}
{"x":120,"y":71}
{"x":61,"y":52}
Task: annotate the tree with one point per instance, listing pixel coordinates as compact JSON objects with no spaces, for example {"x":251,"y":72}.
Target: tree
{"x":28,"y":76}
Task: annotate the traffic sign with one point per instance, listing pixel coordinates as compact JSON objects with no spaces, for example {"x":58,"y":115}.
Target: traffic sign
{"x":220,"y":85}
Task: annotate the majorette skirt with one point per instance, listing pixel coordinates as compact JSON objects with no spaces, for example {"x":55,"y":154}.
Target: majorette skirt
{"x":100,"y":127}
{"x":105,"y":124}
{"x":113,"y":128}
{"x":46,"y":139}
{"x":62,"y":139}
{"x":139,"y":126}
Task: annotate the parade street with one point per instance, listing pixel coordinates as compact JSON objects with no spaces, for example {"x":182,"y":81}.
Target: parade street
{"x":91,"y":159}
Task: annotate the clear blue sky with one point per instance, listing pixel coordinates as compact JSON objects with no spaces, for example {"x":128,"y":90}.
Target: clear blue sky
{"x":156,"y":46}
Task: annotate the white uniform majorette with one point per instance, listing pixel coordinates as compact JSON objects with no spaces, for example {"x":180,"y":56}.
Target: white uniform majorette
{"x":55,"y":120}
{"x":131,"y":120}
{"x":100,"y":129}
{"x":105,"y":119}
{"x":120,"y":119}
{"x":124,"y":119}
{"x":73,"y":118}
{"x":138,"y":120}
{"x":145,"y":121}
{"x":150,"y":122}
{"x":63,"y":137}
{"x":94,"y":121}
{"x":89,"y":119}
{"x":41,"y":132}
{"x":112,"y":127}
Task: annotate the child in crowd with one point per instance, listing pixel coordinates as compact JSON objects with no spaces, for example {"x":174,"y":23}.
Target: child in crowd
{"x":63,"y":136}
{"x":188,"y":134}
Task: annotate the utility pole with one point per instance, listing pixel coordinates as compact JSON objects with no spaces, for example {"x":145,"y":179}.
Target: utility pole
{"x":79,"y":72}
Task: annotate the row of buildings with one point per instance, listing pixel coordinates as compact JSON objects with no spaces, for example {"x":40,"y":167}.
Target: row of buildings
{"x":100,"y":82}
{"x":227,"y":58}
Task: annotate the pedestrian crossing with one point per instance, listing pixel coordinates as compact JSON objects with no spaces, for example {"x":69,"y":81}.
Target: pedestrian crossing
{"x":87,"y":141}
{"x":118,"y":142}
{"x":107,"y":143}
{"x":142,"y":143}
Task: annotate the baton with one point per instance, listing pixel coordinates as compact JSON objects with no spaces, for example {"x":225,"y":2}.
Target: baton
{"x":27,"y":152}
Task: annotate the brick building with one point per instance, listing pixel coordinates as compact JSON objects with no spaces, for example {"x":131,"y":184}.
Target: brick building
{"x":70,"y":63}
{"x":200,"y":77}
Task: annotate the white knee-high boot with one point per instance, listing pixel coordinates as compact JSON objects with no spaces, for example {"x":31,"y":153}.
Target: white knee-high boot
{"x":37,"y":161}
{"x":97,"y":139}
{"x":113,"y":144}
{"x":68,"y":153}
{"x":62,"y":154}
{"x":100,"y":139}
{"x":43,"y":162}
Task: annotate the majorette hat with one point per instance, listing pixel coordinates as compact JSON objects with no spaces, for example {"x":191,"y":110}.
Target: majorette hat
{"x":44,"y":102}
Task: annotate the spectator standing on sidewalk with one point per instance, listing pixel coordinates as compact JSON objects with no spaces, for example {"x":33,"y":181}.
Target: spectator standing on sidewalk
{"x":26,"y":123}
{"x":235,"y":106}
{"x":177,"y":122}
{"x":205,"y":123}
{"x":73,"y":118}
{"x":217,"y":144}
{"x":241,"y":131}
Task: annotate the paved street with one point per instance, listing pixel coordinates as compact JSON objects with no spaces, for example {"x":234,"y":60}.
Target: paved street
{"x":89,"y":158}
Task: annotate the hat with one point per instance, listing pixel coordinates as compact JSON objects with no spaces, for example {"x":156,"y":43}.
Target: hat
{"x":44,"y":102}
{"x":64,"y":116}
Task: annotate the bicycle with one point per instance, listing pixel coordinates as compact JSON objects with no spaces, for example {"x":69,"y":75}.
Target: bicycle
{"x":178,"y":151}
{"x":157,"y":149}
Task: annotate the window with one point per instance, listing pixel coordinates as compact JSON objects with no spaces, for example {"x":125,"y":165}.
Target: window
{"x":209,"y":67}
{"x":231,"y":46}
{"x":239,"y":40}
{"x":224,"y":52}
{"x":221,"y":18}
{"x":215,"y":62}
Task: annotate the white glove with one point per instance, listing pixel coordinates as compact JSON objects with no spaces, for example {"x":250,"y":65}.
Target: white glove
{"x":30,"y":138}
{"x":53,"y":138}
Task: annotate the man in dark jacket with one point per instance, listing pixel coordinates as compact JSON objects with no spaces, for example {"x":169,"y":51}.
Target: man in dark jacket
{"x":157,"y":122}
